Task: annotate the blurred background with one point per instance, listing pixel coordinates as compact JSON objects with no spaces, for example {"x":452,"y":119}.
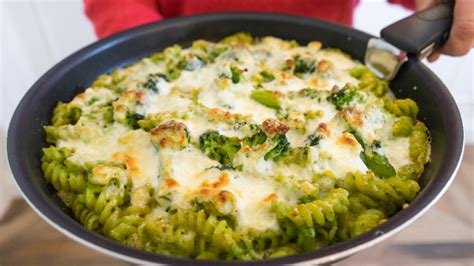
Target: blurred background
{"x":36,"y":34}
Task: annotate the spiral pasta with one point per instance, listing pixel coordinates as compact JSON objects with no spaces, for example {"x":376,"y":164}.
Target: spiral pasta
{"x":61,"y":173}
{"x":243,"y":149}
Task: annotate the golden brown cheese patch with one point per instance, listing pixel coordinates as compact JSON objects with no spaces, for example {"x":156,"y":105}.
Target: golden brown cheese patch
{"x":273,"y":127}
{"x":347,"y":139}
{"x":325,"y":66}
{"x":353,"y":116}
{"x":272,"y":197}
{"x":217,"y":115}
{"x":204,"y":192}
{"x":129,"y":161}
{"x":315,"y":81}
{"x":169,"y":183}
{"x":324,"y":130}
{"x":221,"y":182}
{"x":80,"y":97}
{"x":315,"y":45}
{"x":137,"y":95}
{"x":222,"y":200}
{"x":284,"y":76}
{"x":128,"y":99}
{"x":99,"y":170}
{"x":224,"y":196}
{"x":223,"y":83}
{"x":171,"y":134}
{"x":290,"y":63}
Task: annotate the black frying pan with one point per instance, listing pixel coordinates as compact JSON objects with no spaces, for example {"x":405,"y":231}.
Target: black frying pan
{"x":26,"y":137}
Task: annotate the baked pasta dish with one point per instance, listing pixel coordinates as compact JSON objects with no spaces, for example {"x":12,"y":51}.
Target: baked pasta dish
{"x":240,"y":149}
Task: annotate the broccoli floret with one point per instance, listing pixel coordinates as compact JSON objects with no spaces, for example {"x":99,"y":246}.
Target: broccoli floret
{"x":263,"y":76}
{"x":358,"y":137}
{"x":267,"y":76}
{"x":218,"y":147}
{"x":374,"y":159}
{"x":170,"y":134}
{"x":314,"y":139}
{"x":378,"y":163}
{"x":303,"y":65}
{"x":236,"y":73}
{"x":268,"y":98}
{"x":132,"y":120}
{"x":342,"y":98}
{"x":279,"y":150}
{"x":256,"y":139}
{"x":152,"y":81}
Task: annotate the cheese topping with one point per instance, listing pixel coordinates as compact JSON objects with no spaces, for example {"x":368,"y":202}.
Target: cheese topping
{"x":231,"y":95}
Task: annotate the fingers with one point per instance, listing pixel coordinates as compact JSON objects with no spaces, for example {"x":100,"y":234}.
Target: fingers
{"x":433,"y":57}
{"x":461,"y":38}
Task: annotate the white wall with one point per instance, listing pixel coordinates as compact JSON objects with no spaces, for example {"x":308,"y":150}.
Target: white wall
{"x":35,"y":34}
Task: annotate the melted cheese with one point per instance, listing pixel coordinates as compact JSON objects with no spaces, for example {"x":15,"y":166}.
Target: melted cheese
{"x":188,"y":174}
{"x":397,"y":151}
{"x":116,"y":144}
{"x":340,"y":158}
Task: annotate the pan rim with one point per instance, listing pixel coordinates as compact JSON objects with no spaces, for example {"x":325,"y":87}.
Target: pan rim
{"x":77,"y":232}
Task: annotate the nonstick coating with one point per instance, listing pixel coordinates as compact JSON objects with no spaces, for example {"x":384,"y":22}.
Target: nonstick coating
{"x":26,"y":137}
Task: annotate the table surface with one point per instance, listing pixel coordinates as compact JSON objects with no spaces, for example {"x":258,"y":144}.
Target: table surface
{"x":443,"y":236}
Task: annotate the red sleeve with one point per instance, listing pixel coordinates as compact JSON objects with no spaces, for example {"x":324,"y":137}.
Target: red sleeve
{"x":410,"y":4}
{"x":111,"y":16}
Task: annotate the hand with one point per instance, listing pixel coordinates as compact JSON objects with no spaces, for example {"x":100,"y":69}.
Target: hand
{"x":461,"y":37}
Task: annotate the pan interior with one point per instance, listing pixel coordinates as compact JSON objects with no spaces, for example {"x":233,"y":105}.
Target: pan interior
{"x":69,"y":77}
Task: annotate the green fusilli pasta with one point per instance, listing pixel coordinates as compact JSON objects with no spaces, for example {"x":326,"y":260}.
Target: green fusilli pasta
{"x":243,"y":149}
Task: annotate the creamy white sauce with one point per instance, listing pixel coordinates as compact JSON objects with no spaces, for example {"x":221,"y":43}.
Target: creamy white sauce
{"x":253,"y":185}
{"x":397,"y":151}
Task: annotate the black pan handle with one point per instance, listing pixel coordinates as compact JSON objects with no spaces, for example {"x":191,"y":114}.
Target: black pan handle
{"x":422,"y":32}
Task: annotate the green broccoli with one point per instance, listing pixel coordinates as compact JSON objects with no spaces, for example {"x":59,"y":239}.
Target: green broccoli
{"x":373,"y":159}
{"x":314,"y":139}
{"x":152,"y":81}
{"x":132,"y":120}
{"x":378,"y":163}
{"x":236,"y":74}
{"x":342,"y":98}
{"x":303,"y":65}
{"x":218,"y":147}
{"x":268,"y":98}
{"x":267,"y":75}
{"x":256,"y":139}
{"x":279,"y":149}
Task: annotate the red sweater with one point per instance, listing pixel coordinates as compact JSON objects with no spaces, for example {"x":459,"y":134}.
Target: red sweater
{"x":110,"y":16}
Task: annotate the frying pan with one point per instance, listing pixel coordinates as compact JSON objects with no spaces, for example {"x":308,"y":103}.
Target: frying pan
{"x":69,"y":77}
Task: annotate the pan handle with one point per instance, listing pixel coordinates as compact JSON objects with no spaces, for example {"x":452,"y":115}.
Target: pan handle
{"x":421,"y":33}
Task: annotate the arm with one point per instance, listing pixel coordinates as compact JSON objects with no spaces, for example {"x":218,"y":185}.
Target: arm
{"x":111,"y":16}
